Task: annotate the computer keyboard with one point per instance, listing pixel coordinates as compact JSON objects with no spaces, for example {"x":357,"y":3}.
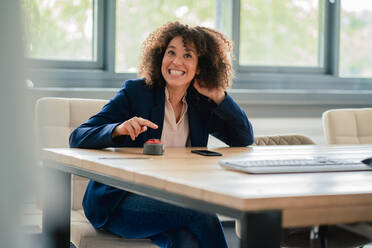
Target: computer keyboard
{"x":315,"y":164}
{"x":294,"y":162}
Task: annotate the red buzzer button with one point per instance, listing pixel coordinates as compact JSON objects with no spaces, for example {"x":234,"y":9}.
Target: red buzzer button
{"x":153,"y":141}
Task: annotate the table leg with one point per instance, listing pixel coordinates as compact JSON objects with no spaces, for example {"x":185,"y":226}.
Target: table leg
{"x":318,"y":237}
{"x":261,"y":229}
{"x":56,"y":208}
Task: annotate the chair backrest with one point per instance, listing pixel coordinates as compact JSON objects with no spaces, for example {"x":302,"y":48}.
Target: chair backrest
{"x":348,"y":126}
{"x":55,"y":119}
{"x":287,"y":139}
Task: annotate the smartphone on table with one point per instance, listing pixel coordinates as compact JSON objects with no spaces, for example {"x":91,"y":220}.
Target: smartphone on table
{"x":206,"y":153}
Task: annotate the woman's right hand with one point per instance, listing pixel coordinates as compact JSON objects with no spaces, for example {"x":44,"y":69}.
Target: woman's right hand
{"x":133,"y":127}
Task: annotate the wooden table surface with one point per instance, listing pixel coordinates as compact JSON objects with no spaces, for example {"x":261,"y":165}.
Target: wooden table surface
{"x":304,"y":198}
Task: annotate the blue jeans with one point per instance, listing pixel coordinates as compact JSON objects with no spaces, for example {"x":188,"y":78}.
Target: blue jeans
{"x":165,"y":224}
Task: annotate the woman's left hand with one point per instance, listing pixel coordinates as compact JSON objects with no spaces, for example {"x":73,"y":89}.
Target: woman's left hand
{"x":215,"y":94}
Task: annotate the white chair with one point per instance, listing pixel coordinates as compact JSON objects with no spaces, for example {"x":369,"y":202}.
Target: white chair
{"x":56,"y":118}
{"x":349,"y":126}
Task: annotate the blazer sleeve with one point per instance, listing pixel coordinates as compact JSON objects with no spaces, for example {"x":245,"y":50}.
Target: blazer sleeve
{"x":97,"y":131}
{"x":230,"y":124}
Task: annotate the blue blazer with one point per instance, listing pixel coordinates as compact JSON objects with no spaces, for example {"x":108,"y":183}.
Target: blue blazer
{"x":227,"y":122}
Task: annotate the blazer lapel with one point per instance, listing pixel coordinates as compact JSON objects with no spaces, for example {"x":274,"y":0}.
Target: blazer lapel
{"x":157,"y":113}
{"x":198,"y":131}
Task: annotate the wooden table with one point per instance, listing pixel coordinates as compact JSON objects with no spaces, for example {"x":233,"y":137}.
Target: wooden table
{"x":264,"y":203}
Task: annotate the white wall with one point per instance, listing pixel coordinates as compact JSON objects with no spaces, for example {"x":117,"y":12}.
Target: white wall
{"x":311,"y":127}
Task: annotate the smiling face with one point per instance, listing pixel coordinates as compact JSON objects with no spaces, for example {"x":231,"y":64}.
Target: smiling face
{"x":179,"y":63}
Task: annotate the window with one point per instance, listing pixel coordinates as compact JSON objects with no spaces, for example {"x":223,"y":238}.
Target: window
{"x":304,"y":44}
{"x":61,"y":30}
{"x":132,"y":28}
{"x":356,"y":39}
{"x":280,"y":33}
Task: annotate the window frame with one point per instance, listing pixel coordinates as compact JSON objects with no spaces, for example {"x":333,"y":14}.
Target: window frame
{"x":98,"y":44}
{"x":282,"y":69}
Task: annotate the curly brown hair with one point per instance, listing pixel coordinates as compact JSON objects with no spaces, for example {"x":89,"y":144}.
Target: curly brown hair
{"x":212,"y":47}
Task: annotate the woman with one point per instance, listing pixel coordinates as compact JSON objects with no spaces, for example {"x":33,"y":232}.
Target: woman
{"x":180,"y":100}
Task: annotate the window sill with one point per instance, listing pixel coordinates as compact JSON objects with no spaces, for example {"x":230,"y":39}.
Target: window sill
{"x":242,"y":96}
{"x":302,"y":96}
